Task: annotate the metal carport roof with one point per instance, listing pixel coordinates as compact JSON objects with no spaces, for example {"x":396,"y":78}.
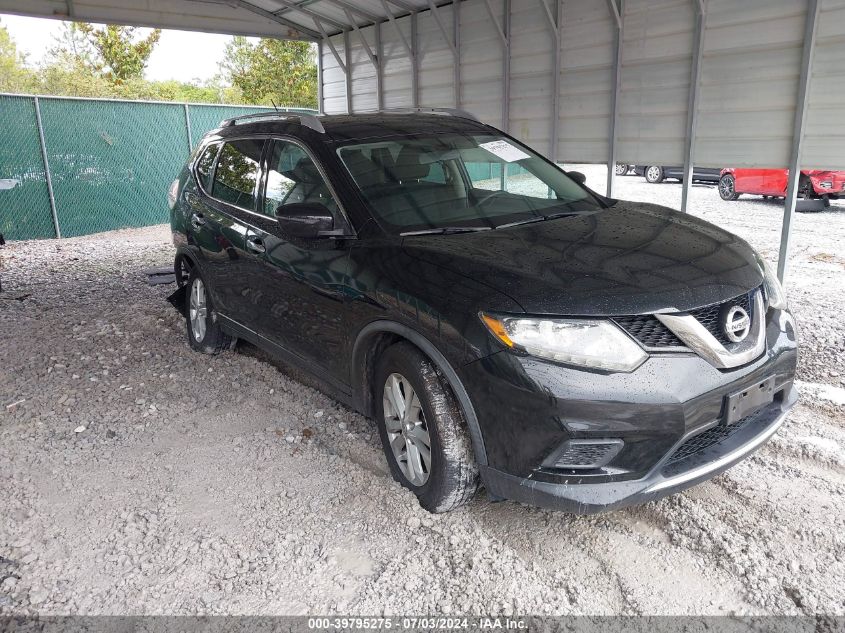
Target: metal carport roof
{"x":757,"y":83}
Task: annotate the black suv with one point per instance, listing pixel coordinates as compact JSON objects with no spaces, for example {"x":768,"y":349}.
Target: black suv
{"x":502,"y":323}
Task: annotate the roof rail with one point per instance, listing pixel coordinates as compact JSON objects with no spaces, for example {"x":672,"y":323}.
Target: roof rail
{"x":455,"y":112}
{"x":307,"y":120}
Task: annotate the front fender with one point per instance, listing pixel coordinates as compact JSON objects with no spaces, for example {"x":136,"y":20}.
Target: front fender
{"x":361,"y":373}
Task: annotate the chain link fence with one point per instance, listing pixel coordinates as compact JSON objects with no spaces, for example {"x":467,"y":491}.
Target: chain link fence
{"x":72,"y":166}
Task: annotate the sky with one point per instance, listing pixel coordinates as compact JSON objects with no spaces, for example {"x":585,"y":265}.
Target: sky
{"x":180,"y":55}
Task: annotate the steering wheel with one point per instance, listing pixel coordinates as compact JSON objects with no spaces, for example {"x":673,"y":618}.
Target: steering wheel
{"x":490,"y":195}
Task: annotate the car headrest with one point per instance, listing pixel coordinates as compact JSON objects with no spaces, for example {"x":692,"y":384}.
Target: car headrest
{"x":382,"y":157}
{"x":305,"y":171}
{"x":409,"y":165}
{"x":365,"y":172}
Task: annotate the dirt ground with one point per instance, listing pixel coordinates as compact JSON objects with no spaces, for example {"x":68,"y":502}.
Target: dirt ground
{"x":137,"y":477}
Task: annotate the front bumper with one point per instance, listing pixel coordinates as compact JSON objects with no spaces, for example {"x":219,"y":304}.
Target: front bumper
{"x":663,"y":480}
{"x":528,"y":409}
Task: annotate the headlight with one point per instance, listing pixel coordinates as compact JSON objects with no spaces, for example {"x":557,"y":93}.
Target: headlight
{"x":598,"y":344}
{"x":775,"y":296}
{"x":173,"y":193}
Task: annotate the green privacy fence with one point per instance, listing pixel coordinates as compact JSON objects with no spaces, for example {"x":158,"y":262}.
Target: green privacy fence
{"x":107,"y":163}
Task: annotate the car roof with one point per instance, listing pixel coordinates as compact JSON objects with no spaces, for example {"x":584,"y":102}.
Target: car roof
{"x":340,"y":128}
{"x":347,"y":127}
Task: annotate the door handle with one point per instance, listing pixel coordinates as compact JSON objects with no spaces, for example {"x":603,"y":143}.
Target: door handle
{"x":255,"y":244}
{"x":197,"y":220}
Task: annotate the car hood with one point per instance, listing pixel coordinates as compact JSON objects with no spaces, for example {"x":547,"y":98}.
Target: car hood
{"x":632,"y":258}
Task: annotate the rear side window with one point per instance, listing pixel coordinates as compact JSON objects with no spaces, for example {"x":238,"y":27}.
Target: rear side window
{"x":236,"y":173}
{"x":204,"y":164}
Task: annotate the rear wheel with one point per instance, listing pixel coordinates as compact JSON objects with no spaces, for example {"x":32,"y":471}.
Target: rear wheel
{"x":204,"y":332}
{"x":621,"y":169}
{"x":727,"y":187}
{"x":654,"y":174}
{"x":805,"y":187}
{"x":422,"y":430}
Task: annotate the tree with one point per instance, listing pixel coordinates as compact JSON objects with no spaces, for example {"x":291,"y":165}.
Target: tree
{"x":15,"y":76}
{"x":120,"y":54}
{"x":72,"y":48}
{"x":272,"y":71}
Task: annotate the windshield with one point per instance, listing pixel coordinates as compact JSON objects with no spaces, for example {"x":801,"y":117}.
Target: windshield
{"x":454,"y":182}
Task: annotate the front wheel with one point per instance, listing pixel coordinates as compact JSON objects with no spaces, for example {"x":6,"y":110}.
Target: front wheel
{"x":422,"y":429}
{"x":727,"y":187}
{"x":654,"y":174}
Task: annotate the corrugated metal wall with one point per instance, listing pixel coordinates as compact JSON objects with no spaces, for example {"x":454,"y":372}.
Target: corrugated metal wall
{"x":749,"y":81}
{"x":656,"y":56}
{"x":824,"y":139}
{"x":481,"y":62}
{"x":749,"y":76}
{"x":586,"y":81}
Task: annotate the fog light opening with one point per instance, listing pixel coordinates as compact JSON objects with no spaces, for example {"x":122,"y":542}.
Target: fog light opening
{"x":584,"y":454}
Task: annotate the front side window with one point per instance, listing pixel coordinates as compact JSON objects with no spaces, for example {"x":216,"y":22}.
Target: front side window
{"x":460,"y":181}
{"x":293,"y":177}
{"x":236,"y":173}
{"x":204,"y":164}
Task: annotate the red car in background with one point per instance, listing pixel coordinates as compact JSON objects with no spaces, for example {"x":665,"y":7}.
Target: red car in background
{"x":814,"y":183}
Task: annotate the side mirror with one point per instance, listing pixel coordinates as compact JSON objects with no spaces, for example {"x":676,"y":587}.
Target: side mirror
{"x":308,"y":220}
{"x":577,"y":176}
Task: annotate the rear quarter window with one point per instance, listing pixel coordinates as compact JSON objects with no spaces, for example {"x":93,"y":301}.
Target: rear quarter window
{"x":205,"y":163}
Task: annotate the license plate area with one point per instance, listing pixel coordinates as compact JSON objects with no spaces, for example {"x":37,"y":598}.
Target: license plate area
{"x":750,"y":400}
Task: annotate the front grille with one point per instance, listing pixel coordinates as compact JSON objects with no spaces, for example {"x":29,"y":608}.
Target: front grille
{"x":706,"y":439}
{"x":648,"y":331}
{"x":651,"y":333}
{"x":708,"y":316}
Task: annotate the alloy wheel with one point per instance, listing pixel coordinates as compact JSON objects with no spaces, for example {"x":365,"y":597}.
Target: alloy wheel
{"x":726,"y":187}
{"x":198,"y":310}
{"x":407,"y":430}
{"x":653,"y":173}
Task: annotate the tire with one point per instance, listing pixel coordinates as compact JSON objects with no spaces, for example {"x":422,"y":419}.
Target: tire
{"x":182,"y":270}
{"x":204,"y":332}
{"x":727,"y":188}
{"x":450,"y":479}
{"x":805,"y":188}
{"x":621,"y":169}
{"x":654,"y":174}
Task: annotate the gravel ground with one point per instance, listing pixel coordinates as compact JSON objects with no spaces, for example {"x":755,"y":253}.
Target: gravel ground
{"x":140,"y":478}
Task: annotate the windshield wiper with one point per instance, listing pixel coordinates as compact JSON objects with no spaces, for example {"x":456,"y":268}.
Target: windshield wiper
{"x":447,"y":230}
{"x":541,"y":218}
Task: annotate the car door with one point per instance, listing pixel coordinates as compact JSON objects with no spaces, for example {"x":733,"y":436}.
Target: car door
{"x":773,"y":182}
{"x":301,"y":282}
{"x":750,"y":180}
{"x":227,"y":210}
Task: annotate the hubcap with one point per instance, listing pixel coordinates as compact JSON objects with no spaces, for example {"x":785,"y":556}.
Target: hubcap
{"x":198,"y":310}
{"x":653,"y":173}
{"x":407,"y":430}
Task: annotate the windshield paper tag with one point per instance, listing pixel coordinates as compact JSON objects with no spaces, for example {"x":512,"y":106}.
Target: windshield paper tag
{"x":504,"y":150}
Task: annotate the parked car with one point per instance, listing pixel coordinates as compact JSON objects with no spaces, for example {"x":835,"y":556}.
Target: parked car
{"x":812,"y":184}
{"x":657,"y":173}
{"x":501,"y":322}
